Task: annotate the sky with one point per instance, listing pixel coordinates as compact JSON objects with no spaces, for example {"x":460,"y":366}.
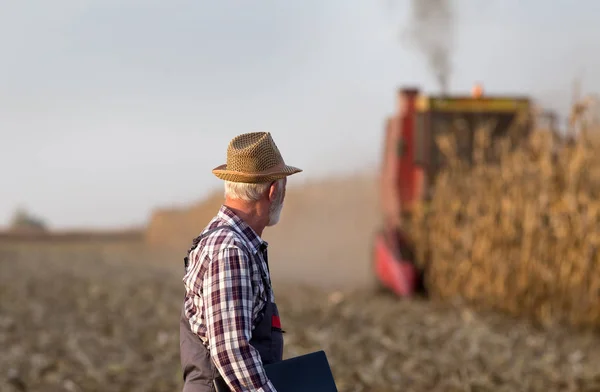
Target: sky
{"x":110,"y":108}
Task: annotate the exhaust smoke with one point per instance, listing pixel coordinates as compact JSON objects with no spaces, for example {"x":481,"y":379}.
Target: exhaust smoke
{"x":431,"y":30}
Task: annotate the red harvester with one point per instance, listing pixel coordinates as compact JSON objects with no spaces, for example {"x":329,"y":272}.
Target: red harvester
{"x":411,"y":160}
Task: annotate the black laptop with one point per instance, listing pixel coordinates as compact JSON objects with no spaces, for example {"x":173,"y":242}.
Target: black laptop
{"x":310,"y":372}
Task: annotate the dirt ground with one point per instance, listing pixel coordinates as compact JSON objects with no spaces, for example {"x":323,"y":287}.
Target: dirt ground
{"x":99,"y":317}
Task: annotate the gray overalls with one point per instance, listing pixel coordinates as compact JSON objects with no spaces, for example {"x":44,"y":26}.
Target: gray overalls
{"x":199,"y":372}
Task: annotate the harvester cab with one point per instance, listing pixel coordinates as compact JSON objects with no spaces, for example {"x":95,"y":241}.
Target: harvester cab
{"x":412,"y":159}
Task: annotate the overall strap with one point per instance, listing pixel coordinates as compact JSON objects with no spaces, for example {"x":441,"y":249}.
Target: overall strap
{"x":196,"y":241}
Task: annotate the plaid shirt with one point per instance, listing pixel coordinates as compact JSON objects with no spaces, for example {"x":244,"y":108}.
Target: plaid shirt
{"x":225,"y":292}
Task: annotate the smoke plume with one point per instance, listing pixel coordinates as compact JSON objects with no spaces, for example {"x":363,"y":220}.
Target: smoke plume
{"x":431,"y":30}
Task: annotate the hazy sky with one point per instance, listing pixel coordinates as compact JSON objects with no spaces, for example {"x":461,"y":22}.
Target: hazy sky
{"x":109,"y":108}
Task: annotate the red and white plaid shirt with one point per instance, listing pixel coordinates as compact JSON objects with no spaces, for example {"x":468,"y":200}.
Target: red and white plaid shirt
{"x":225,"y":292}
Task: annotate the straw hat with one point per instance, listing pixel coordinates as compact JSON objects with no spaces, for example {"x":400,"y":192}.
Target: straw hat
{"x":253,"y":158}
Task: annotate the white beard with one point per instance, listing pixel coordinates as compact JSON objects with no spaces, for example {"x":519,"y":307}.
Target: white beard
{"x":275,"y":210}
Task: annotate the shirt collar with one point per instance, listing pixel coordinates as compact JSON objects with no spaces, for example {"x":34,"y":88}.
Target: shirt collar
{"x":227,"y":215}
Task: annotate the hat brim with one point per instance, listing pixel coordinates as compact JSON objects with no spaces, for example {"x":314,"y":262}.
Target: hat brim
{"x":252,"y":178}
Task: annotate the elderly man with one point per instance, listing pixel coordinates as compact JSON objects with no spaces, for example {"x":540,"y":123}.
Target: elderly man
{"x":229,"y":322}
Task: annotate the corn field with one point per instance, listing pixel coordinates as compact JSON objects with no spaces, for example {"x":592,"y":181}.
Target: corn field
{"x":520,"y":235}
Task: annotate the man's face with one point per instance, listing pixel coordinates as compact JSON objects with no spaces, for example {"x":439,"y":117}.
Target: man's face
{"x":276,"y":207}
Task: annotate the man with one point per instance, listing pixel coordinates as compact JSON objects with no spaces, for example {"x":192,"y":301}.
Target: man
{"x":229,"y":322}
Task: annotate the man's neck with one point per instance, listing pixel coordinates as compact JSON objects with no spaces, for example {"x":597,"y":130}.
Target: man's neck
{"x":250,"y":213}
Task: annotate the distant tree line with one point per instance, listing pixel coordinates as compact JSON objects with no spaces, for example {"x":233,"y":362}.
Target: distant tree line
{"x":24,"y":221}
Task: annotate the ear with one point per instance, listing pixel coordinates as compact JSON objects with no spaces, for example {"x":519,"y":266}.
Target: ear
{"x":273,"y":191}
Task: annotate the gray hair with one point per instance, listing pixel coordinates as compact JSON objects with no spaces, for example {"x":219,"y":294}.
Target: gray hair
{"x":248,"y":192}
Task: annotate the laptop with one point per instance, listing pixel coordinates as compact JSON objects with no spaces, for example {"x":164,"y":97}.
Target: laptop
{"x":309,"y":372}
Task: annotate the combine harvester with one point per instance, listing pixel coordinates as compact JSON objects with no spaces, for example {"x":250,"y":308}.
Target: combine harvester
{"x":412,"y":159}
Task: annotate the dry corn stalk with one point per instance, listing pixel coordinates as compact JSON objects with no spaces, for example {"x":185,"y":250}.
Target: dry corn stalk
{"x":520,"y":235}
